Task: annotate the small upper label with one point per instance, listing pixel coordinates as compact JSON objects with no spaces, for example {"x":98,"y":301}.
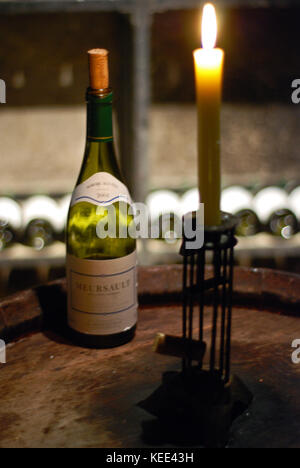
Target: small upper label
{"x":102,"y":189}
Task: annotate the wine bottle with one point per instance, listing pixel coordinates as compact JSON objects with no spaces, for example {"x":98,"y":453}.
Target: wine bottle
{"x":190,"y":201}
{"x":271,"y":205}
{"x":40,"y":220}
{"x":10,"y":222}
{"x":238,"y":201}
{"x":164,"y":206}
{"x":101,"y":271}
{"x":283,"y":223}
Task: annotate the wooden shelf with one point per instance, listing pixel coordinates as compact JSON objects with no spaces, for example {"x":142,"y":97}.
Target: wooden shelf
{"x":151,"y":252}
{"x":20,"y":256}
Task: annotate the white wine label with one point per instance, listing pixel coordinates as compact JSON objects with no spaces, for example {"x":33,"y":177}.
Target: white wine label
{"x":101,"y":189}
{"x":102,"y":294}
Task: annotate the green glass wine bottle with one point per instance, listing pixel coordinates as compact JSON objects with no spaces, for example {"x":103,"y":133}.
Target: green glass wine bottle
{"x":101,"y":262}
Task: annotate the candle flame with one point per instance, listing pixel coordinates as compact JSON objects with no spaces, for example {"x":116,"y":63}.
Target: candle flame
{"x":209,"y":26}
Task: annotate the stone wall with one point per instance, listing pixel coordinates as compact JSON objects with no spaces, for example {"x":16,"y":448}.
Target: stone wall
{"x":42,"y":148}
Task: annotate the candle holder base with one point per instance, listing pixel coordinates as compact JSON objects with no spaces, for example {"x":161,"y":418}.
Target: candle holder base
{"x":194,"y":408}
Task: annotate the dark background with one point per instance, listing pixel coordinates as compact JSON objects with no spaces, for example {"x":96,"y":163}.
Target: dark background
{"x":262,"y":53}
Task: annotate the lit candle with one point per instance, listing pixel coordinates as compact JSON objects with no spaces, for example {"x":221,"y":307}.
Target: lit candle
{"x":208,"y":73}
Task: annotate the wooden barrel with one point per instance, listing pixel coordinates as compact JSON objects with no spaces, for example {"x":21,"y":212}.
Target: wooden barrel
{"x":54,"y":394}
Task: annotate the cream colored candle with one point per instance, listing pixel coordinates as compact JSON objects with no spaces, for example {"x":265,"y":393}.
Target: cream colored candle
{"x":208,"y":73}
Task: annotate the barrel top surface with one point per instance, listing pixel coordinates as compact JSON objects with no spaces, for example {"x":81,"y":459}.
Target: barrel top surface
{"x":54,"y":394}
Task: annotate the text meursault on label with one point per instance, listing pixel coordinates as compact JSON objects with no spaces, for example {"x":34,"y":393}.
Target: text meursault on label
{"x":102,"y":288}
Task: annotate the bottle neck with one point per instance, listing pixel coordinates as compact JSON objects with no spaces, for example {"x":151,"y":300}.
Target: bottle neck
{"x":99,"y":116}
{"x":99,"y":153}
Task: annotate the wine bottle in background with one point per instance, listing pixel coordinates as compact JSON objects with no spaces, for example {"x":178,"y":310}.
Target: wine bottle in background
{"x":190,"y":201}
{"x":10,"y":222}
{"x":271,"y":205}
{"x":238,"y":201}
{"x":101,"y":272}
{"x":164,"y":210}
{"x":41,"y":221}
{"x":283,"y":223}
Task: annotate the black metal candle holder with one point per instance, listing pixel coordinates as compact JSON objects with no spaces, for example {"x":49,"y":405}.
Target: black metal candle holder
{"x":220,"y":242}
{"x":199,"y":403}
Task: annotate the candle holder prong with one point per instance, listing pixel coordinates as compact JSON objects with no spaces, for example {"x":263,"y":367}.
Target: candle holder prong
{"x":219,"y":242}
